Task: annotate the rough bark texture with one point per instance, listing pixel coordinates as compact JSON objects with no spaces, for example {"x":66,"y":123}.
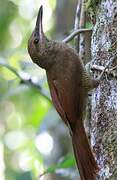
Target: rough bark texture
{"x":104,"y":99}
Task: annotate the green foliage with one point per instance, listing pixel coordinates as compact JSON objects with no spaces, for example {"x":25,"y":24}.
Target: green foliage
{"x":66,"y":162}
{"x":8,"y":11}
{"x":91,"y":6}
{"x":24,"y":97}
{"x":52,"y":4}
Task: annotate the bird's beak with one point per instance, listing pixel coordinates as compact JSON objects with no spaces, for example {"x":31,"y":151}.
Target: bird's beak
{"x":39,"y":26}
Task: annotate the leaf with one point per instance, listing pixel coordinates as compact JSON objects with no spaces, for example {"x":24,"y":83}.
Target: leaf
{"x":67,"y":162}
{"x":52,"y":4}
{"x":8,"y":11}
{"x":12,"y":69}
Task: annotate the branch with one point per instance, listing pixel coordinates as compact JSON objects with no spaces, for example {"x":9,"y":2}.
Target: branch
{"x":75,"y":33}
{"x":110,"y":61}
{"x":102,"y":69}
{"x":76,"y":24}
{"x":77,"y":16}
{"x":98,"y":68}
{"x":25,"y":78}
{"x":82,"y":36}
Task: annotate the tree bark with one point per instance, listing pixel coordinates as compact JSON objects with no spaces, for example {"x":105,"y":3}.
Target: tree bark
{"x":103,"y":129}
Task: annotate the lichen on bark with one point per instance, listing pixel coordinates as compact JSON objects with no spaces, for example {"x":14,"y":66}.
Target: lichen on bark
{"x":104,"y":98}
{"x":92,"y":6}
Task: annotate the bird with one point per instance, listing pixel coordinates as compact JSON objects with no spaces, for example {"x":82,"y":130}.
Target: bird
{"x":69,"y":84}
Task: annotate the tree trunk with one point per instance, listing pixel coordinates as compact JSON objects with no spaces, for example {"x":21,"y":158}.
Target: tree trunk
{"x":104,"y":99}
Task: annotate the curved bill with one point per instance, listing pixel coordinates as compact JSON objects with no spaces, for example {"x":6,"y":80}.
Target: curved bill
{"x":39,"y":26}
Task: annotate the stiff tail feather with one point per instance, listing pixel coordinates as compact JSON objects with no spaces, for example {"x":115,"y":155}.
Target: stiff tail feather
{"x":86,"y":163}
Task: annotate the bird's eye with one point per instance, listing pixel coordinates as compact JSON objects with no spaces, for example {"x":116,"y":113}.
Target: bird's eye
{"x":36,"y":41}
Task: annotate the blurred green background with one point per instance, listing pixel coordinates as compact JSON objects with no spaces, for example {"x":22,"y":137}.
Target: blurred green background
{"x":33,"y":139}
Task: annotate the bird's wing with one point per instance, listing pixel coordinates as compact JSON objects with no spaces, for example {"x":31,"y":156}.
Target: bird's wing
{"x":66,"y":101}
{"x":57,"y":102}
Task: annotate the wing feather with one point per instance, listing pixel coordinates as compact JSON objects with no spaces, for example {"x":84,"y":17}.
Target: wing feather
{"x":57,"y":102}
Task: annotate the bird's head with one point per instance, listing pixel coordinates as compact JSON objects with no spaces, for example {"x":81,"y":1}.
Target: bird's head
{"x":39,"y":47}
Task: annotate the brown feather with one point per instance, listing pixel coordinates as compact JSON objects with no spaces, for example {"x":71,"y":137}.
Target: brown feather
{"x":85,"y":161}
{"x":69,"y":85}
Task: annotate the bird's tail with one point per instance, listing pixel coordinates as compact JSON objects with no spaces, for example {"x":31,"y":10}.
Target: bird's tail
{"x":86,"y":163}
